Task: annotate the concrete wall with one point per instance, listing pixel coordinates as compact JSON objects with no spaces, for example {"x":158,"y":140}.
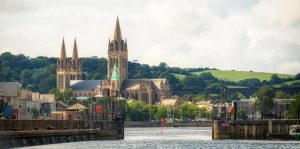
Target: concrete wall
{"x":19,"y":133}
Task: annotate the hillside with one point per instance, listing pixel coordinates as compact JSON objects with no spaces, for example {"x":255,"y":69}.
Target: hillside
{"x":39,"y":74}
{"x":236,"y":76}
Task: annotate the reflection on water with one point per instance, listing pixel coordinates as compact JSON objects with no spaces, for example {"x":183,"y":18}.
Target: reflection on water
{"x":173,"y":138}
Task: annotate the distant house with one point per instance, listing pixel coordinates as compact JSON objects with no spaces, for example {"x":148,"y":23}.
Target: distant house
{"x":21,"y":101}
{"x":48,"y":104}
{"x":205,"y":104}
{"x":61,"y":106}
{"x":169,"y":102}
{"x":77,"y":111}
{"x":10,"y":91}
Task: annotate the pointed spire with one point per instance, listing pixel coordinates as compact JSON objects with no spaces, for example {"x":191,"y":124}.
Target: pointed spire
{"x":117,"y":34}
{"x":63,"y":54}
{"x":75,"y":52}
{"x":115,"y":73}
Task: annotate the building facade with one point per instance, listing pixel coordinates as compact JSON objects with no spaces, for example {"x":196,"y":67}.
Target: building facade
{"x":117,"y":83}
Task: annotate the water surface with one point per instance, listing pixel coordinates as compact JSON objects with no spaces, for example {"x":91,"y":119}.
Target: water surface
{"x":173,"y":138}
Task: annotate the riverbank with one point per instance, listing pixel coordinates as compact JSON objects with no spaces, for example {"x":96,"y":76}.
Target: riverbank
{"x":129,"y":124}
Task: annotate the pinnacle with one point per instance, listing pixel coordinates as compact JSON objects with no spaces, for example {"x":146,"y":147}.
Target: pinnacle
{"x":117,"y":33}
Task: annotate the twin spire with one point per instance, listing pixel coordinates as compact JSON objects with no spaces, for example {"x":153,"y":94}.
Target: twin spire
{"x":117,"y":37}
{"x":63,"y":54}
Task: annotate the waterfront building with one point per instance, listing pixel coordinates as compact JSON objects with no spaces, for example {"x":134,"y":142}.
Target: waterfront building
{"x":69,"y":75}
{"x":282,"y":105}
{"x":48,"y":104}
{"x":246,"y":107}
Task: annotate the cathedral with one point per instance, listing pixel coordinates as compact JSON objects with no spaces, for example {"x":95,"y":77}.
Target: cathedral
{"x":69,"y":75}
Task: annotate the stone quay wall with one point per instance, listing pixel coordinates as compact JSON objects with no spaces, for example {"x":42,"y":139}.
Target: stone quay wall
{"x":252,"y":129}
{"x":19,"y":133}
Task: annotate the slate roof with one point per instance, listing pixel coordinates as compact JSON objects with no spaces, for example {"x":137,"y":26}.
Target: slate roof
{"x":47,"y":98}
{"x":10,"y":88}
{"x":62,"y":104}
{"x":78,"y":85}
{"x":76,"y":106}
{"x":134,"y":84}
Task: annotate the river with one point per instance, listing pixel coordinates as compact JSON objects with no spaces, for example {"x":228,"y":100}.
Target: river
{"x":172,"y":138}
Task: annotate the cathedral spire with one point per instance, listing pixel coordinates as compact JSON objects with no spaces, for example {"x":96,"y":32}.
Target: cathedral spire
{"x":63,"y":54}
{"x":75,"y":52}
{"x":117,"y":34}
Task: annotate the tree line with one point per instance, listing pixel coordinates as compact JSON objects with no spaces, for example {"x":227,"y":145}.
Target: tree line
{"x":39,"y":74}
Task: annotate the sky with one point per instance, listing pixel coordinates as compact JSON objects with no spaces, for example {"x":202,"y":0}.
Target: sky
{"x":256,"y":35}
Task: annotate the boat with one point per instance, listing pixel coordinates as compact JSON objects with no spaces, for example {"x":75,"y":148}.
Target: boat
{"x":295,"y":132}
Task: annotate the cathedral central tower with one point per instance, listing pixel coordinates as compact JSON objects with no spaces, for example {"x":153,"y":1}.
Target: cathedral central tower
{"x":117,"y":55}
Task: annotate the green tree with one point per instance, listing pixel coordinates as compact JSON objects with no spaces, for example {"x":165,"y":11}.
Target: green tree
{"x":275,"y":79}
{"x":251,"y":83}
{"x":136,"y":110}
{"x":265,"y":100}
{"x":26,"y":77}
{"x":193,"y":82}
{"x":161,"y":111}
{"x":236,"y":96}
{"x":294,"y":109}
{"x":241,"y":114}
{"x":281,"y":95}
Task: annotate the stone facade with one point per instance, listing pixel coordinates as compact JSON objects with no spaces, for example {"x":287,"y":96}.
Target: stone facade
{"x":117,"y":83}
{"x":68,"y":68}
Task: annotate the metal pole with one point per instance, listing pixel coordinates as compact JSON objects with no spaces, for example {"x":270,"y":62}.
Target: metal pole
{"x":150,"y":111}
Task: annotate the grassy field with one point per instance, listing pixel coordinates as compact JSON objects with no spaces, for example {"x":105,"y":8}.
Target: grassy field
{"x":285,"y":83}
{"x":237,"y":75}
{"x":233,"y":86}
{"x":290,"y":82}
{"x":179,"y":76}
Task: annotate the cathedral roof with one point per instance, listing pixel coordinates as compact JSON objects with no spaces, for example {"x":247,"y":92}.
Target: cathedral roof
{"x":135,"y":84}
{"x":117,"y":33}
{"x":78,"y":85}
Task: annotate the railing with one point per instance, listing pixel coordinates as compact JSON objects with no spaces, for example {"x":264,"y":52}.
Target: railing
{"x":89,"y":115}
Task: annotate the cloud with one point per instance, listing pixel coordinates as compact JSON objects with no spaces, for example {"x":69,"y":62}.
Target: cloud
{"x":292,"y":67}
{"x":242,"y":35}
{"x":285,"y":12}
{"x":13,"y":6}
